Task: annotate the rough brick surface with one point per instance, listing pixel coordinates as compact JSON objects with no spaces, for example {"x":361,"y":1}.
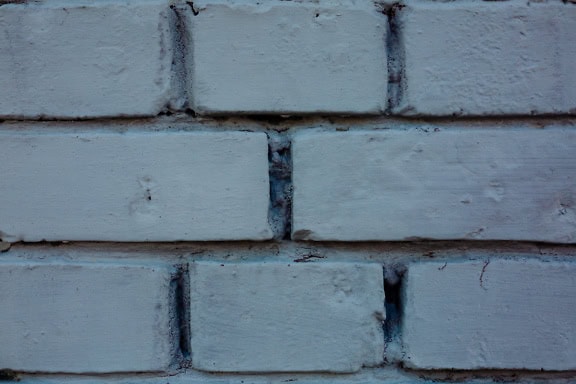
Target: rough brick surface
{"x":84,"y":317}
{"x":481,"y":58}
{"x":134,"y":187}
{"x":220,"y":124}
{"x":503,"y":184}
{"x":490,"y":314}
{"x":272,"y":317}
{"x":84,"y":59}
{"x":288,"y":57}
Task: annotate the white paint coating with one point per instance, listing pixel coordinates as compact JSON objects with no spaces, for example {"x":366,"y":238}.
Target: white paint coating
{"x":513,"y":184}
{"x":165,"y":186}
{"x":288,"y":57}
{"x":84,"y":318}
{"x":490,"y":314}
{"x":482,"y":58}
{"x":84,"y":59}
{"x":258,"y":317}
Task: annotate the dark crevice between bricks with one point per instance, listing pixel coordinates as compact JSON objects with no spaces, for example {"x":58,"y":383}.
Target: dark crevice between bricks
{"x":8,"y":374}
{"x":4,"y":247}
{"x":4,"y":2}
{"x":181,"y":288}
{"x":274,"y":120}
{"x":280,"y":175}
{"x":493,"y":376}
{"x":180,"y":40}
{"x":195,"y":11}
{"x":396,"y":57}
{"x":392,"y":325}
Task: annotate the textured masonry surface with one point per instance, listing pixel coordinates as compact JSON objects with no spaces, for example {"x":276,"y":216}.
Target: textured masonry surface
{"x":288,"y":57}
{"x":488,"y":58}
{"x":85,"y":317}
{"x":327,"y":191}
{"x":489,"y":183}
{"x":71,"y":59}
{"x":490,"y":314}
{"x":134,"y":187}
{"x":272,"y":317}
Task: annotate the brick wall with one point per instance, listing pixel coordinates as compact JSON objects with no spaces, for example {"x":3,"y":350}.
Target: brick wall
{"x":232,"y":191}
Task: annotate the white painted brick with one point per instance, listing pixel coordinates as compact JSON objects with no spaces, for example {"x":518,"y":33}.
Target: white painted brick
{"x":272,"y":317}
{"x":501,"y":184}
{"x":164,"y":186}
{"x":84,"y":317}
{"x":481,"y":58}
{"x":77,"y":59}
{"x":490,"y":314}
{"x":288,"y":57}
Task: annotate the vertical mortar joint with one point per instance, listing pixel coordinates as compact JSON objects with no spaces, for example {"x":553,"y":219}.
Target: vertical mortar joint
{"x":396,"y":55}
{"x":181,"y":289}
{"x":392,"y":325}
{"x":181,"y":46}
{"x":280,"y":176}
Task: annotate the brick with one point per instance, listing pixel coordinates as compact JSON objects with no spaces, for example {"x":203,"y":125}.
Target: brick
{"x":274,"y":317}
{"x":495,"y":314}
{"x":432,"y":183}
{"x":288,"y":57}
{"x":163,"y":186}
{"x":483,"y":58}
{"x":71,"y":59}
{"x":82,"y":318}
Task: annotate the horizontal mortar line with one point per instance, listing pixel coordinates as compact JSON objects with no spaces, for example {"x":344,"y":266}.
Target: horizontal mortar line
{"x":455,"y":242}
{"x":22,"y":375}
{"x":235,"y":125}
{"x":415,"y":375}
{"x":484,"y":374}
{"x":259,"y":246}
{"x":295,"y":120}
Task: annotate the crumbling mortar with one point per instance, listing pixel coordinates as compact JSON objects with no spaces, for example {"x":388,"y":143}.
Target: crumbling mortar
{"x":396,"y":56}
{"x":6,"y":2}
{"x":481,"y":376}
{"x":280,"y":178}
{"x":178,"y":20}
{"x":180,"y":285}
{"x":281,"y":123}
{"x":386,"y":253}
{"x":8,"y":374}
{"x":394,"y":301}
